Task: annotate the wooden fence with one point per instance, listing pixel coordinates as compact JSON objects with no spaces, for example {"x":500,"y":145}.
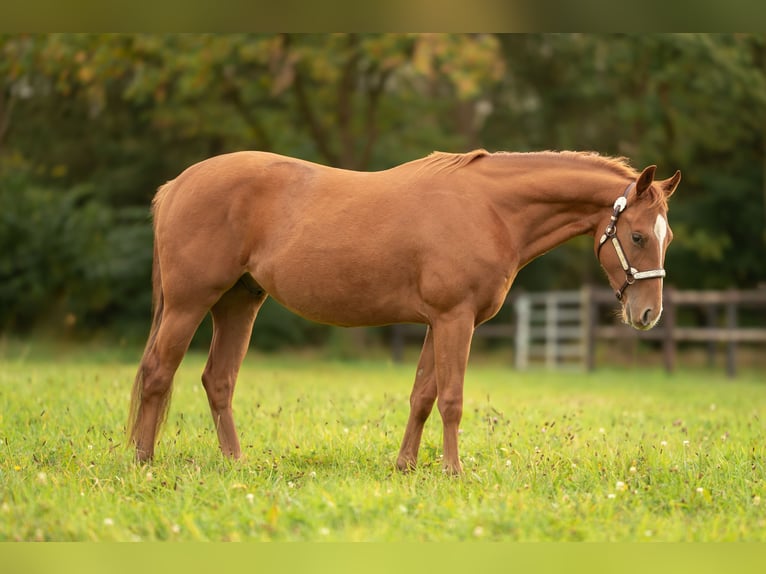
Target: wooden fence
{"x":722,"y":323}
{"x":562,"y":328}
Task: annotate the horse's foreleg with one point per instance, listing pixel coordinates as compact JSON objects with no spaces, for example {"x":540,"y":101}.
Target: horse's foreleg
{"x":452,"y":342}
{"x":233,"y":317}
{"x":422,"y":401}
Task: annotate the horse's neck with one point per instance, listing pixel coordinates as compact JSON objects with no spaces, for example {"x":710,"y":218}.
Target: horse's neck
{"x":543,"y":208}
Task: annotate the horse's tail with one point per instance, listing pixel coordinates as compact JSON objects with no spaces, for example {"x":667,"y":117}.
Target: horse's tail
{"x":158,"y":301}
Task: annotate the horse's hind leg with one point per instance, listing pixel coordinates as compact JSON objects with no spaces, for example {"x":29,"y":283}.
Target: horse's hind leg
{"x":155,"y":378}
{"x":422,"y":401}
{"x":233,"y":317}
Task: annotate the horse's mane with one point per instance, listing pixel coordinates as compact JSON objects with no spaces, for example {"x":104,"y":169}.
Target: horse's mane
{"x":441,"y":161}
{"x":618,"y":164}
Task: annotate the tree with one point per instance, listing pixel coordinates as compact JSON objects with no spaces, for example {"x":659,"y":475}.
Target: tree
{"x":694,"y":102}
{"x":123,"y":113}
{"x":91,"y":124}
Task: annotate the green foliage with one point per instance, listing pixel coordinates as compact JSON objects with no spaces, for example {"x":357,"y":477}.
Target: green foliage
{"x":629,"y":456}
{"x":694,"y":102}
{"x":92,"y":124}
{"x":67,"y":258}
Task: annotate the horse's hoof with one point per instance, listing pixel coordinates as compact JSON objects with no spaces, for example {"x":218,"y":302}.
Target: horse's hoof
{"x":453,"y":469}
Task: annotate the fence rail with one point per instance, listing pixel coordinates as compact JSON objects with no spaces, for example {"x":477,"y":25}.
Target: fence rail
{"x":562,"y":328}
{"x":721,"y":310}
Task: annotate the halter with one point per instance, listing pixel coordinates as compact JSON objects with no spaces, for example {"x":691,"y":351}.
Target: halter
{"x":631,"y":273}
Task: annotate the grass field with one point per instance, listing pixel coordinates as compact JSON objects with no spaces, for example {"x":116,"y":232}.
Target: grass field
{"x":614,"y":456}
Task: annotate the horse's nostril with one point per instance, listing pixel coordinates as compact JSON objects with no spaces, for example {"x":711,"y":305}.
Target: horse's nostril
{"x":645,"y":317}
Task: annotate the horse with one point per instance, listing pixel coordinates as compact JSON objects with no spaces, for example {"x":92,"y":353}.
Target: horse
{"x":436,"y":241}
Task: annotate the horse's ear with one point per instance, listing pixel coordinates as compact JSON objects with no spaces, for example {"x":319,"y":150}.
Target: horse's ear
{"x":669,"y":185}
{"x":645,"y":180}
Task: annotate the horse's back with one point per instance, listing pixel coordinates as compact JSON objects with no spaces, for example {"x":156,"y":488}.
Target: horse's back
{"x":243,"y":168}
{"x":334,"y":245}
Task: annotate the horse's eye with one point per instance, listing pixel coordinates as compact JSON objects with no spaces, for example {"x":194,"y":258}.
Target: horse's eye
{"x":638,"y":239}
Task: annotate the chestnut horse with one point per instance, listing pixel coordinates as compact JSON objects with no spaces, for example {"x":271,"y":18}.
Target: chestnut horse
{"x":436,"y":241}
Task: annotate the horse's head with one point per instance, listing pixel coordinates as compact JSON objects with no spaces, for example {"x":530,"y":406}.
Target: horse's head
{"x":632,"y":247}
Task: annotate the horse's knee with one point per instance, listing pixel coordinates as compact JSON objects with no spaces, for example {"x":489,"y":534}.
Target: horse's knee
{"x":421,"y":405}
{"x":451,"y":409}
{"x":219,"y":390}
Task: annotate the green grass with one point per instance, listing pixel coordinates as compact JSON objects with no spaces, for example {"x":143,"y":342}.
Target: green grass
{"x":613,"y":456}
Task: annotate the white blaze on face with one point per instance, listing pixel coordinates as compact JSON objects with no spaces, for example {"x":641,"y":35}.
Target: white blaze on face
{"x":661,"y":231}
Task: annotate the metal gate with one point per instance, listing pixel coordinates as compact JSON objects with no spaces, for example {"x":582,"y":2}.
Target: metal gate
{"x":552,"y":329}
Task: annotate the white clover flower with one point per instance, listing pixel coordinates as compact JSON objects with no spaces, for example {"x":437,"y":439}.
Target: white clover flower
{"x":621,"y":486}
{"x":108,"y":522}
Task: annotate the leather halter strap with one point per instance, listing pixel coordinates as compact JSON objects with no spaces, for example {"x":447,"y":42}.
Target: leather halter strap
{"x":610,"y":234}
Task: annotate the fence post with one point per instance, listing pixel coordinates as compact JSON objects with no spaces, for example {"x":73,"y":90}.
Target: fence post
{"x":711,"y":319}
{"x":731,"y":325}
{"x":551,"y":331}
{"x":669,"y":324}
{"x":523,"y":318}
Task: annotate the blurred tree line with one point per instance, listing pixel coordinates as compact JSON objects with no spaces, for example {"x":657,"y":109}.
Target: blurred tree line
{"x":91,"y":125}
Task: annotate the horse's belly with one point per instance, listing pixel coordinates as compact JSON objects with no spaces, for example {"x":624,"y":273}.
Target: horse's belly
{"x":345,"y":294}
{"x":348,"y":310}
